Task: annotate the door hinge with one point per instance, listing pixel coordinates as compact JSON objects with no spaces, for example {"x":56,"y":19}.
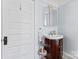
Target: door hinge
{"x":20,"y":7}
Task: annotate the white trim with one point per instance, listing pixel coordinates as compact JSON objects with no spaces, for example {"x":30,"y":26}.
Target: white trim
{"x":69,"y":56}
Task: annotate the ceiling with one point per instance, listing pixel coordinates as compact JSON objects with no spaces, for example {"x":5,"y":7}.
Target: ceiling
{"x":54,"y":3}
{"x":58,"y":3}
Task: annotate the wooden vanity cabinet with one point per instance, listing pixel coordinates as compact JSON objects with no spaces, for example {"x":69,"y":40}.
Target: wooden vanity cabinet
{"x":54,"y":48}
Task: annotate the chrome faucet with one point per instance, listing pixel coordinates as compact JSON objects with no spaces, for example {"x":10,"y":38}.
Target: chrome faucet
{"x":52,"y":32}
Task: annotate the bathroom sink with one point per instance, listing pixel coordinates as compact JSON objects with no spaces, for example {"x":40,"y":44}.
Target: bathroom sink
{"x":54,"y":37}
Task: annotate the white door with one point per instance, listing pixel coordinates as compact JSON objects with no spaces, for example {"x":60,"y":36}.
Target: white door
{"x":18,"y":27}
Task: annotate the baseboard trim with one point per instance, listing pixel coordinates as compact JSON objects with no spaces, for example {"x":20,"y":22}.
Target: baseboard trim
{"x":69,"y":56}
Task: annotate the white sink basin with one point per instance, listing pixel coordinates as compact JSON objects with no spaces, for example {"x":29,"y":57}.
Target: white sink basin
{"x":54,"y":37}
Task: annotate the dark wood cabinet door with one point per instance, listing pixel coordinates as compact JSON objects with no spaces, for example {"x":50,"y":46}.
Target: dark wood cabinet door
{"x":55,"y":49}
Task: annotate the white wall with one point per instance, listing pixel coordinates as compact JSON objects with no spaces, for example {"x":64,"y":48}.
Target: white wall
{"x":68,"y":26}
{"x":39,"y":4}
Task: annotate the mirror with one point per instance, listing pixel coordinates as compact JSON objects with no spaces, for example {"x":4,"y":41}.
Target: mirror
{"x":49,"y":16}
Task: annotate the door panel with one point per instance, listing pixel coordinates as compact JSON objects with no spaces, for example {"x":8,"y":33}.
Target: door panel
{"x":18,"y":26}
{"x":28,"y":17}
